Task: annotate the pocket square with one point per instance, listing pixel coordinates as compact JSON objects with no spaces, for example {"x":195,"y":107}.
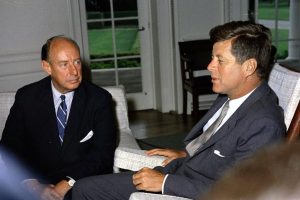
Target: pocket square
{"x":217,"y":152}
{"x":87,"y":137}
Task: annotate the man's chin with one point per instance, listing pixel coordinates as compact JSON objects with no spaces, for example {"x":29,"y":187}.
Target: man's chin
{"x":218,"y":90}
{"x":73,"y":86}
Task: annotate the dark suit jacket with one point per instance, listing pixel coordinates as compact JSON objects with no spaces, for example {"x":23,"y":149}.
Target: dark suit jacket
{"x":31,"y":132}
{"x":257,"y":122}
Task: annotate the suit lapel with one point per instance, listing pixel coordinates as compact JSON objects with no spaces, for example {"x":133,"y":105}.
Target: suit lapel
{"x":239,"y":113}
{"x":222,"y":132}
{"x":47,"y":115}
{"x":199,"y":126}
{"x":76,"y":113}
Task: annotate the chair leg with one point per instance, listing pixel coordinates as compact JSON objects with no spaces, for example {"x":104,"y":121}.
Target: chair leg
{"x":195,"y":111}
{"x":184,"y":108}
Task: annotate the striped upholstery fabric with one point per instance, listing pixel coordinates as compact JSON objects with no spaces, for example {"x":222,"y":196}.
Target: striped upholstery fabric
{"x":150,"y":196}
{"x":286,"y":84}
{"x":6,"y":101}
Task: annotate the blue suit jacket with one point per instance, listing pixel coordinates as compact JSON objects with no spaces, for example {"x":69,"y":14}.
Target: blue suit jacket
{"x":257,"y":122}
{"x":31,"y":132}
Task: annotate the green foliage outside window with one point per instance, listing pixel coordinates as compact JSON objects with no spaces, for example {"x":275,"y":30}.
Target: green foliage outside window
{"x":266,"y":11}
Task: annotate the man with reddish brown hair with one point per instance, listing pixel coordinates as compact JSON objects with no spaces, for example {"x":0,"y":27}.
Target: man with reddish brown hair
{"x":245,"y":117}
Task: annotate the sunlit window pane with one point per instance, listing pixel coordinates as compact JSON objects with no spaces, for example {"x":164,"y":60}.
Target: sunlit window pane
{"x":114,"y":43}
{"x":100,"y":40}
{"x":267,"y":16}
{"x":127,"y":38}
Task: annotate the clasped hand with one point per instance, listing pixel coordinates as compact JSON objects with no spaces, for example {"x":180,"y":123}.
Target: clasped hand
{"x":148,"y":180}
{"x":47,"y":191}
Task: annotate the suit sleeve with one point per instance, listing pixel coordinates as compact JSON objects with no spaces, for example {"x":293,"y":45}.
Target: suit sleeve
{"x":13,"y":139}
{"x":191,"y":181}
{"x":258,"y":134}
{"x":98,"y":159}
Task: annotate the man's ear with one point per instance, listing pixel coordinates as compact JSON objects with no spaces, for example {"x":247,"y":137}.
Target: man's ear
{"x":46,"y":67}
{"x":250,"y":66}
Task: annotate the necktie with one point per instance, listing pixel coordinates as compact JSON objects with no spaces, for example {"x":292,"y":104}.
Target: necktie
{"x":62,"y":117}
{"x":195,"y":144}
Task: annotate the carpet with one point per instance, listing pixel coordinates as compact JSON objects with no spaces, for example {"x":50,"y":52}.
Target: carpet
{"x":174,"y":141}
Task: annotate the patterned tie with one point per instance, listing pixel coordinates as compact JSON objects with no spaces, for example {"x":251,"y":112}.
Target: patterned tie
{"x":195,"y":144}
{"x":62,"y":117}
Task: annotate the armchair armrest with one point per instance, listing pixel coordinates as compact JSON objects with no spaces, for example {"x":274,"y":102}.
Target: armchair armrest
{"x":151,"y":196}
{"x":135,"y":159}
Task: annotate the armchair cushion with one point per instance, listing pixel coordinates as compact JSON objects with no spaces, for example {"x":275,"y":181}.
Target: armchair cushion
{"x":286,"y":84}
{"x":150,"y":196}
{"x":135,"y":159}
{"x":6,"y":101}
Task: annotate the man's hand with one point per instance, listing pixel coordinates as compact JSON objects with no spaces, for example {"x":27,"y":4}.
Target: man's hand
{"x":148,"y":179}
{"x":42,"y":191}
{"x":49,"y":193}
{"x":171,"y":154}
{"x":62,"y":188}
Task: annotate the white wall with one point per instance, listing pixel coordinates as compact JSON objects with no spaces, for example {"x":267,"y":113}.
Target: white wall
{"x":176,"y":21}
{"x":193,"y":20}
{"x":25,"y":26}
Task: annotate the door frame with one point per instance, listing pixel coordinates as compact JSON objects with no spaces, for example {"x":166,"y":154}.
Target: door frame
{"x":136,"y":101}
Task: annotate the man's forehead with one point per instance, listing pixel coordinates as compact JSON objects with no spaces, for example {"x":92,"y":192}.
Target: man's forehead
{"x":63,"y":47}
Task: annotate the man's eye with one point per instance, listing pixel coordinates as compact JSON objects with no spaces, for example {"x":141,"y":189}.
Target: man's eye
{"x":63,"y":65}
{"x":77,"y":62}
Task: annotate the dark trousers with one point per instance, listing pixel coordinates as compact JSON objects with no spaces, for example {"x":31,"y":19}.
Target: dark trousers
{"x":68,"y":195}
{"x":117,"y":186}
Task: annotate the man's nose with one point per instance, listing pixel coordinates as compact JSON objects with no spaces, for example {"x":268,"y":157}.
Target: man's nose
{"x":211,"y":65}
{"x":73,"y":69}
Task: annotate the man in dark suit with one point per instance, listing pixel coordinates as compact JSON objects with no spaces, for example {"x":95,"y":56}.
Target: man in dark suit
{"x":58,"y":149}
{"x":244,"y":118}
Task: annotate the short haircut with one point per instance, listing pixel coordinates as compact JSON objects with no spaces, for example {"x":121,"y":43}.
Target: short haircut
{"x":249,"y":40}
{"x":45,"y":52}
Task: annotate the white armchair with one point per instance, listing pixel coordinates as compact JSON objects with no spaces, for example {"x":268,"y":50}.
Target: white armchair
{"x":6,"y":101}
{"x":150,"y":196}
{"x":286,"y":84}
{"x":128,"y":154}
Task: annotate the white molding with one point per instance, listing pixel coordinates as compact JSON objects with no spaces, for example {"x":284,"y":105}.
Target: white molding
{"x":70,"y":17}
{"x":205,"y":102}
{"x":19,"y":57}
{"x":166,"y":56}
{"x":12,"y":83}
{"x":235,"y":10}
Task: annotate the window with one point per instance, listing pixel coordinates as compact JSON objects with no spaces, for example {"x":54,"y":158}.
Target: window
{"x":114,"y":44}
{"x":275,"y":15}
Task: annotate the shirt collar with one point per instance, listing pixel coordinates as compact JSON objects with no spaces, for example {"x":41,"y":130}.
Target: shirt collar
{"x":235,"y":103}
{"x":57,"y":94}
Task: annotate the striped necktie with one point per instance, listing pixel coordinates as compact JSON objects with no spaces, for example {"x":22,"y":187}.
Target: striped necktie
{"x":62,"y":117}
{"x":195,"y":144}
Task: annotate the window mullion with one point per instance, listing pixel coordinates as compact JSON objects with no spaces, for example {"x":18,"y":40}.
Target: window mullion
{"x":113,"y":27}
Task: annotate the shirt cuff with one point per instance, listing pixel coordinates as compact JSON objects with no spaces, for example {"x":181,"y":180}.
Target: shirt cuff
{"x":26,"y":180}
{"x":163,"y":185}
